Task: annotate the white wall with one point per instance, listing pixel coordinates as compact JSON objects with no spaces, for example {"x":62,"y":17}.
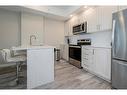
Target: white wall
{"x":15,"y":29}
{"x":53,"y":32}
{"x":48,"y":31}
{"x":9,"y":29}
{"x":31,"y":24}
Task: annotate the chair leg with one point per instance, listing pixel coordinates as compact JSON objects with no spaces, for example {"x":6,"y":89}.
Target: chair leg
{"x":20,"y":65}
{"x":17,"y":73}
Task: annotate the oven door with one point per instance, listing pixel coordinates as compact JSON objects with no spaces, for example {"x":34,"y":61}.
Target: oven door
{"x":75,"y":56}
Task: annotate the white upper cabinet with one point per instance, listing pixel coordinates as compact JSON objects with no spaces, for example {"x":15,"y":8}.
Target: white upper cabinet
{"x":81,"y":19}
{"x":71,"y":23}
{"x":66,"y":27}
{"x":98,"y":18}
{"x":104,"y":18}
{"x":90,"y":17}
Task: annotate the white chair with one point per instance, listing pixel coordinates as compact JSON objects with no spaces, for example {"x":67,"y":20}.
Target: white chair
{"x":8,"y":58}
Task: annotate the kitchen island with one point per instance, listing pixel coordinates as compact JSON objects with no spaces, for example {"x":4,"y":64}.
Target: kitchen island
{"x":40,"y":64}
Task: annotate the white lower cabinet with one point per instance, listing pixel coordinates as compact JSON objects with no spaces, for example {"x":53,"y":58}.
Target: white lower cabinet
{"x":87,"y":58}
{"x":97,"y":61}
{"x":64,"y":50}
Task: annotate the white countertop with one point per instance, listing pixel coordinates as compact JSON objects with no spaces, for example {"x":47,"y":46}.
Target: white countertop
{"x":32,"y":47}
{"x":98,"y":45}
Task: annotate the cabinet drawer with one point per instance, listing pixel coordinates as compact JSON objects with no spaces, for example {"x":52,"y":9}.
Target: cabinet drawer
{"x":87,"y":51}
{"x":85,"y":61}
{"x":85,"y":56}
{"x":84,"y":64}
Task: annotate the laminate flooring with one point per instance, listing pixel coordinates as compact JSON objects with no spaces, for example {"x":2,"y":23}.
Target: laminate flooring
{"x":70,"y":77}
{"x":8,"y":78}
{"x":66,"y":77}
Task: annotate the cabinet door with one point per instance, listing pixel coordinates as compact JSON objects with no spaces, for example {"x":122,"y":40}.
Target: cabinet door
{"x":65,"y":52}
{"x":105,"y":20}
{"x":71,"y":23}
{"x":102,"y":62}
{"x":76,"y":20}
{"x":66,"y":28}
{"x":91,"y":15}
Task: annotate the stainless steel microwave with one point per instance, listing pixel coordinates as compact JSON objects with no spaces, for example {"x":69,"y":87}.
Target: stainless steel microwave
{"x":80,"y":28}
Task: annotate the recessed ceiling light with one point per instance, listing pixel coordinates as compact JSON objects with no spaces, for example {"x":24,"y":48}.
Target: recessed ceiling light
{"x":85,"y":7}
{"x":71,"y":15}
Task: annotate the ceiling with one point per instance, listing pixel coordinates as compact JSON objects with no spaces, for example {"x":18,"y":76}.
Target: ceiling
{"x":55,"y":12}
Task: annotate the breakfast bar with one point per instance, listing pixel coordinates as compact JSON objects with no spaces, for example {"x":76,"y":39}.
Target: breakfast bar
{"x":40,"y":64}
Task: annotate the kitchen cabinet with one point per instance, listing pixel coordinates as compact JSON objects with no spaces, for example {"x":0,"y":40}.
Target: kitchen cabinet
{"x":72,"y":23}
{"x":99,"y":18}
{"x":104,"y":18}
{"x":87,"y":58}
{"x":81,"y":19}
{"x":64,"y":50}
{"x":97,"y":61}
{"x":90,"y":16}
{"x":68,"y":28}
{"x":102,"y":61}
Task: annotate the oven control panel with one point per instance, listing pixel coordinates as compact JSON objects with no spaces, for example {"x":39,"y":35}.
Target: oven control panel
{"x":84,"y":42}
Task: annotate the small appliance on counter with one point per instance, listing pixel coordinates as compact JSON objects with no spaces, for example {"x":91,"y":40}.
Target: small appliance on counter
{"x":75,"y":52}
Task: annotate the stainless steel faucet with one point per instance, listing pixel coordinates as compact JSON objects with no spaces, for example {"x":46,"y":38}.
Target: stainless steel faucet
{"x":31,"y":36}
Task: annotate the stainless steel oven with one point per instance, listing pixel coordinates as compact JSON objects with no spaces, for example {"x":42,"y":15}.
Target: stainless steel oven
{"x":75,"y":55}
{"x":75,"y":52}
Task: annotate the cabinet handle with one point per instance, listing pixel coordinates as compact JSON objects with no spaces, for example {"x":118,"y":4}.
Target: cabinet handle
{"x":86,"y":58}
{"x":93,"y":51}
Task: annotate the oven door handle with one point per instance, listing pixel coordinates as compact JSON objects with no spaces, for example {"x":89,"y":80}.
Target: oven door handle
{"x":75,"y":46}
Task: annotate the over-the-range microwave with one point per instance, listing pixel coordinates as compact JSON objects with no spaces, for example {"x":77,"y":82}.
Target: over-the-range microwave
{"x":80,"y":28}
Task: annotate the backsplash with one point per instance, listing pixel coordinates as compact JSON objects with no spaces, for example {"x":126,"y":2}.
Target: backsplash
{"x":98,"y":38}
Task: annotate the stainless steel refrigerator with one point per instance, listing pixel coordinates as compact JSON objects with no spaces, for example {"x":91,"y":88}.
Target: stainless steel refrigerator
{"x":119,"y":50}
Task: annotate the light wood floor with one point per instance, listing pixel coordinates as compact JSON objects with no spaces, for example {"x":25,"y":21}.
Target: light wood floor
{"x":70,"y":77}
